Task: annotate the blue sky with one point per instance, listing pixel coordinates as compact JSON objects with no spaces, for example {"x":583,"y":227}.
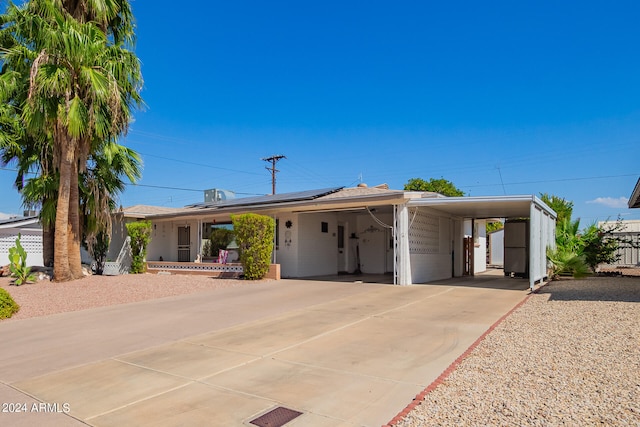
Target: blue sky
{"x":497,"y":97}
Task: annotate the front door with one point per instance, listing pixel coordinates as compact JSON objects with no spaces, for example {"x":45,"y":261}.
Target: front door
{"x":184,"y":244}
{"x":342,"y":249}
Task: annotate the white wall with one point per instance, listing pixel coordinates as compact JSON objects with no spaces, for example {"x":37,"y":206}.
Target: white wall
{"x":287,"y":250}
{"x":431,"y":261}
{"x":373,"y":243}
{"x":480,"y":246}
{"x":164,"y":241}
{"x":496,"y":247}
{"x":317,"y":251}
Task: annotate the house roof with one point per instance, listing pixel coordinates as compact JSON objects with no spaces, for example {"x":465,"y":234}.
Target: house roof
{"x":301,"y":201}
{"x":19,"y":221}
{"x":349,"y":199}
{"x":634,"y":200}
{"x":268,"y":199}
{"x":142,"y":211}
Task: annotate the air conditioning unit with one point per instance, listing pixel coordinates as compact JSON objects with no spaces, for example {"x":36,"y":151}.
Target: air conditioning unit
{"x":216,"y":195}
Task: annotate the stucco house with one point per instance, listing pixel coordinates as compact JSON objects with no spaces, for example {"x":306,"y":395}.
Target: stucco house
{"x":30,"y":231}
{"x":417,"y":237}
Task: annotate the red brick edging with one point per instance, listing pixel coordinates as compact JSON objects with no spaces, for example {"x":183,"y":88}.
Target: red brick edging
{"x":443,"y":376}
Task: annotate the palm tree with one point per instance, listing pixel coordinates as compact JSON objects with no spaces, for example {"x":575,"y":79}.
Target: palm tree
{"x":83,"y":86}
{"x":100,"y":186}
{"x":113,"y":17}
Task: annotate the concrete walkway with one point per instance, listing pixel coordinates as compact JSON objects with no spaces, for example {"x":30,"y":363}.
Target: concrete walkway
{"x":343,"y":354}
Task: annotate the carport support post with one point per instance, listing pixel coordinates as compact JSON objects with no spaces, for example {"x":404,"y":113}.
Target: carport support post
{"x":533,"y":244}
{"x":403,"y":256}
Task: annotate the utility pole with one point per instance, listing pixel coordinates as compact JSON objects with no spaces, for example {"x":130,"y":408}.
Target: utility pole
{"x":273,"y":160}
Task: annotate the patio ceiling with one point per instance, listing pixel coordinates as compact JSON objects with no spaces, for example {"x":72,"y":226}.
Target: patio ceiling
{"x":484,"y":207}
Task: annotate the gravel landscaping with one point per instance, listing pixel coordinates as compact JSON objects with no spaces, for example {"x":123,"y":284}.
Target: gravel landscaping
{"x":569,"y":356}
{"x":45,"y":297}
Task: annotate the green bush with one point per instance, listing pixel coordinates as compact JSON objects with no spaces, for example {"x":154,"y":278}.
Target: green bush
{"x":254,"y":235}
{"x":7,"y":305}
{"x":18,"y":265}
{"x":566,"y":263}
{"x":140,"y":233}
{"x":600,"y":244}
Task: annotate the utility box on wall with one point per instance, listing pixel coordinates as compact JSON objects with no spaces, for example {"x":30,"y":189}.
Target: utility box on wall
{"x":516,"y":248}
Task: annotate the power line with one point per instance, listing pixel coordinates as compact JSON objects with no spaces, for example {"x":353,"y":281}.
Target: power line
{"x":273,"y":170}
{"x":183,"y":189}
{"x":586,"y":178}
{"x":198,"y":164}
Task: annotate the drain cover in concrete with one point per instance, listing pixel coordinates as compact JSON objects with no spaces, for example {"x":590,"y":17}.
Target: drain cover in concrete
{"x":276,"y":418}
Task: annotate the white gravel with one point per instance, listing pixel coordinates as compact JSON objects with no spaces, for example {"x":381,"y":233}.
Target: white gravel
{"x":45,"y":297}
{"x":570,"y":356}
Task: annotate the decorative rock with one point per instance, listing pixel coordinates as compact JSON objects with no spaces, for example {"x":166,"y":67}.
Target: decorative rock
{"x":4,"y":270}
{"x":569,"y":356}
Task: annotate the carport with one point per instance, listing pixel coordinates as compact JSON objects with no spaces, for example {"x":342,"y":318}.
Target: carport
{"x":416,"y":240}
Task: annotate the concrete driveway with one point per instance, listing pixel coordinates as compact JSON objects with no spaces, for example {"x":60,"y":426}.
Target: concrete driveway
{"x":342,"y":354}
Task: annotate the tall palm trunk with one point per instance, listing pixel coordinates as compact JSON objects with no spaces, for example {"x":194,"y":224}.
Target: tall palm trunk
{"x":61,"y":270}
{"x":74,"y":234}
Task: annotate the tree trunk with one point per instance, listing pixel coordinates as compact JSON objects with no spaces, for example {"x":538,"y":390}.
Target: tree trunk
{"x":74,"y":235}
{"x":61,"y":271}
{"x":47,"y":245}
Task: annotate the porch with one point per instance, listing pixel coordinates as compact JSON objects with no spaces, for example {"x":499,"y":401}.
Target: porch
{"x":222,"y":271}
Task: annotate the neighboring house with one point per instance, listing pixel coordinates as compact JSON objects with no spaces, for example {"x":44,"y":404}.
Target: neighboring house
{"x":629,"y":247}
{"x":629,"y":250}
{"x":416,"y":236}
{"x":30,"y":233}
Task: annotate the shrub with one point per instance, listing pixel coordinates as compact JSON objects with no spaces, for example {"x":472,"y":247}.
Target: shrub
{"x":98,"y":248}
{"x":600,"y":245}
{"x":220,"y":239}
{"x":7,"y":305}
{"x":18,"y":265}
{"x":140,"y":233}
{"x":254,"y":235}
{"x":567,"y":263}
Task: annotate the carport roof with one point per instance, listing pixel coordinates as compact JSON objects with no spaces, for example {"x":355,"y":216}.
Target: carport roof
{"x":634,"y":200}
{"x":485,"y":207}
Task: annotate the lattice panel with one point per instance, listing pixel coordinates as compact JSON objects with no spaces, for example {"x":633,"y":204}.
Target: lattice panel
{"x":190,"y":266}
{"x":32,"y":243}
{"x":424,"y":234}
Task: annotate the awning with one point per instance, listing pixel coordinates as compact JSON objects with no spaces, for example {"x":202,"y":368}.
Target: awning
{"x":485,"y":207}
{"x":541,"y":224}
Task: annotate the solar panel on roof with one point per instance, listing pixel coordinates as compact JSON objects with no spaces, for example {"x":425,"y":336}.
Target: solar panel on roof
{"x":269,"y":199}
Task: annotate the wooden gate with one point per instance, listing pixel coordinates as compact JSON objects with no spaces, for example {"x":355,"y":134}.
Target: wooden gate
{"x":468,"y":256}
